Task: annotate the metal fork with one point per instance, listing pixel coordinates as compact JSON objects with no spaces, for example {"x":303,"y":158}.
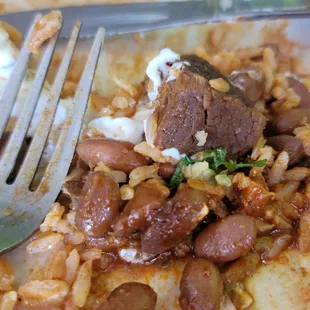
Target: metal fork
{"x":22,"y":210}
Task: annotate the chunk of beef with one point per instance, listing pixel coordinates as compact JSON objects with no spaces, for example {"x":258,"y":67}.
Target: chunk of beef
{"x":189,"y":104}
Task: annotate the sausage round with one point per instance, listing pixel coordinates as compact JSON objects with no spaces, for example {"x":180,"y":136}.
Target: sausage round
{"x":227,"y":239}
{"x":99,"y":204}
{"x":118,"y":155}
{"x":290,"y":144}
{"x":201,"y":286}
{"x":131,"y":296}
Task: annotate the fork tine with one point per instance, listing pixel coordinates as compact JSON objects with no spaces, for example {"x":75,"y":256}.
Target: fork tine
{"x":61,"y":159}
{"x":34,"y":153}
{"x":13,"y":84}
{"x":14,"y":144}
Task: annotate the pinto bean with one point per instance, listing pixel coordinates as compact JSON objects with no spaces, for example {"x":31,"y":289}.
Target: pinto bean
{"x":99,"y":204}
{"x":287,"y":121}
{"x":227,"y":239}
{"x":251,"y":81}
{"x":148,"y":198}
{"x":175,"y":220}
{"x":131,"y":296}
{"x":166,"y":170}
{"x":300,"y":90}
{"x":201,"y":286}
{"x":118,"y":155}
{"x":290,"y":144}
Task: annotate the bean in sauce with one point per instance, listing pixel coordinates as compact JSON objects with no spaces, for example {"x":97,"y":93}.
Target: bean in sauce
{"x":148,"y":198}
{"x":118,"y":155}
{"x":178,"y":217}
{"x":290,"y":144}
{"x":227,"y":239}
{"x":99,"y":204}
{"x":201,"y":286}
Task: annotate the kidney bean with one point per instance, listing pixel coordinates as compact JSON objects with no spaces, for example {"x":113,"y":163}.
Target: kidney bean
{"x":117,"y":155}
{"x":148,"y":198}
{"x":99,"y":204}
{"x":131,"y":296}
{"x":201,"y":286}
{"x":251,"y":81}
{"x":175,"y":220}
{"x":227,"y":239}
{"x":300,"y":90}
{"x":290,"y":144}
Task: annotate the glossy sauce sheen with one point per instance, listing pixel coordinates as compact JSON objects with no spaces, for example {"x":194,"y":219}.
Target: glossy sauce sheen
{"x":99,"y":204}
{"x":227,"y":239}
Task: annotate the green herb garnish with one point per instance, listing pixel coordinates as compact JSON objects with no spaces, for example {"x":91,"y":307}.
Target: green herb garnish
{"x":217,"y":162}
{"x":178,"y":176}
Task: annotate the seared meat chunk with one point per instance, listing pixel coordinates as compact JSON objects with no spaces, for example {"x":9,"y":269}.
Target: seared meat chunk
{"x":188,"y":104}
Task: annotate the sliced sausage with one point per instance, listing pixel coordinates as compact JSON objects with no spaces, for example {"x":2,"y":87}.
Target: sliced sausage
{"x":117,"y":155}
{"x":287,"y":121}
{"x":178,"y":217}
{"x":290,"y":144}
{"x":227,"y":239}
{"x":131,"y":296}
{"x":251,"y":81}
{"x":99,"y":204}
{"x":166,"y":170}
{"x":201,"y":286}
{"x":300,"y":90}
{"x":149,"y":197}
